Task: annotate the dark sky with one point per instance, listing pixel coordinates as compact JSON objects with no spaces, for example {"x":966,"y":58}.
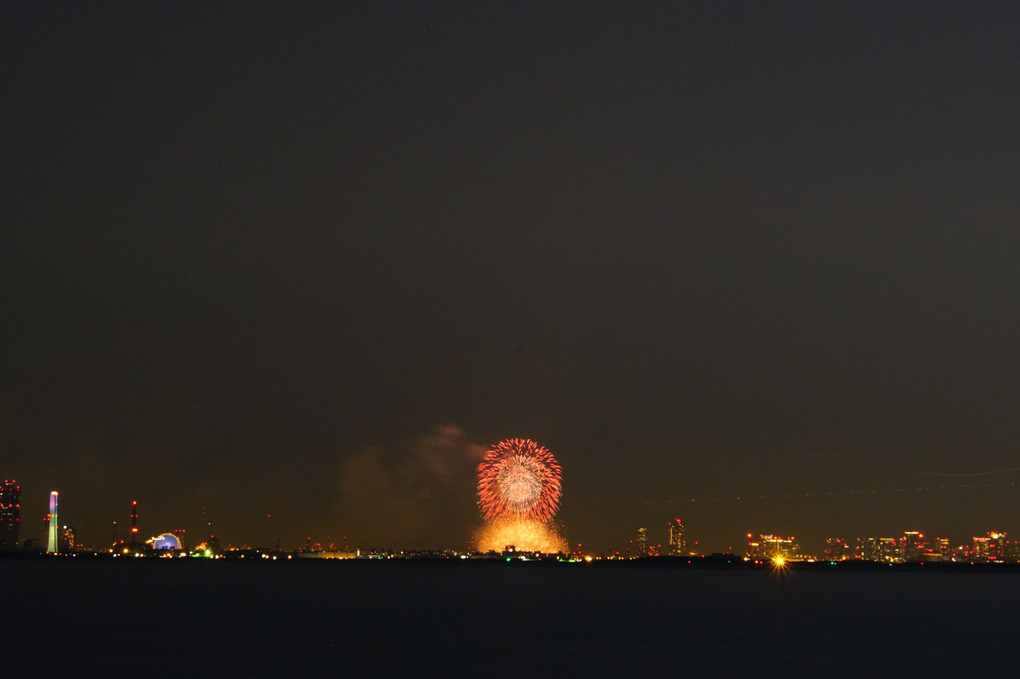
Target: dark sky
{"x":299,"y":263}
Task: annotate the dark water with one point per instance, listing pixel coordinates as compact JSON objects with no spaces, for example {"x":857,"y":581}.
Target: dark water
{"x":393,"y":618}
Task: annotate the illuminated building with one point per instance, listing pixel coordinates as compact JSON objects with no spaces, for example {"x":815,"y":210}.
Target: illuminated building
{"x":989,"y":547}
{"x":979,"y":548}
{"x":67,"y":543}
{"x":677,"y":540}
{"x":996,"y":545}
{"x":754,"y":549}
{"x":769,"y":547}
{"x":938,"y":550}
{"x":889,"y":550}
{"x":10,"y":514}
{"x":641,"y":544}
{"x":912,"y":545}
{"x":885,"y":550}
{"x":52,"y":543}
{"x":838,"y":549}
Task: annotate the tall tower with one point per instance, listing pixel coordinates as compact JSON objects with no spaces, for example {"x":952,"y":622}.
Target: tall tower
{"x":10,"y":514}
{"x":53,"y":543}
{"x":134,"y":523}
{"x":677,"y":537}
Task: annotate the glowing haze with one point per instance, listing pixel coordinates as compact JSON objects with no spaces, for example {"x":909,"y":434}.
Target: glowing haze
{"x":519,"y":487}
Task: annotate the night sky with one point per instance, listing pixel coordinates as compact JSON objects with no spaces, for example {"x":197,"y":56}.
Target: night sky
{"x":289,"y":268}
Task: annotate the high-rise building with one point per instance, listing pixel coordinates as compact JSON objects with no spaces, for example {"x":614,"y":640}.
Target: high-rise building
{"x":913,"y":545}
{"x":888,"y":550}
{"x":641,"y":544}
{"x":938,"y":550}
{"x":996,"y":545}
{"x":677,"y":540}
{"x":989,"y":547}
{"x":10,"y":514}
{"x":1011,"y":551}
{"x":53,"y":541}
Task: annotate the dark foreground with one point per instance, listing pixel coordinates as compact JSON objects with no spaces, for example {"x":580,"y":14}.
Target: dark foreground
{"x":396,"y":618}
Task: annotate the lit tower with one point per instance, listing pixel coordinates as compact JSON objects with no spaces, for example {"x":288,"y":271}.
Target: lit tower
{"x":134,"y":523}
{"x":10,"y":513}
{"x":53,"y":544}
{"x":677,"y":539}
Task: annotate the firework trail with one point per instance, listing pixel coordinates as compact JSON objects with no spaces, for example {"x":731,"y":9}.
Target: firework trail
{"x":518,"y":479}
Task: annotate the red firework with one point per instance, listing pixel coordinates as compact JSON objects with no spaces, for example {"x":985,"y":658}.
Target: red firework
{"x":518,"y":479}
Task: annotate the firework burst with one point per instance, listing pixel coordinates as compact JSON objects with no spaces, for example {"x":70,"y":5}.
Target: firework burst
{"x":518,"y":479}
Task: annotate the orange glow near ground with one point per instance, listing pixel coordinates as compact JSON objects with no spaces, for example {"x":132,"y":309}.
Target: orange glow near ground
{"x":524,"y":535}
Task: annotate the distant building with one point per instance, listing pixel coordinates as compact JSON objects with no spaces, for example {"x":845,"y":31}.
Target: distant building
{"x":167,"y":541}
{"x":769,"y":547}
{"x":997,"y":545}
{"x":641,"y":544}
{"x":67,"y":541}
{"x":885,"y":550}
{"x":889,"y":550}
{"x":10,"y":514}
{"x":53,"y":537}
{"x":912,"y":545}
{"x":838,"y":549}
{"x":979,"y":548}
{"x":134,"y":524}
{"x":1011,"y":551}
{"x":677,"y":539}
{"x":989,"y":547}
{"x":938,"y":550}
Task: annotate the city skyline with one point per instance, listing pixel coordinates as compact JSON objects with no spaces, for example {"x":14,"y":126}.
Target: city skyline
{"x":673,"y":541}
{"x":291,"y":270}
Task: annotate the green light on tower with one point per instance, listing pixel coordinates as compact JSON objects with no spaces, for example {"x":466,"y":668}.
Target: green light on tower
{"x":52,"y":546}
